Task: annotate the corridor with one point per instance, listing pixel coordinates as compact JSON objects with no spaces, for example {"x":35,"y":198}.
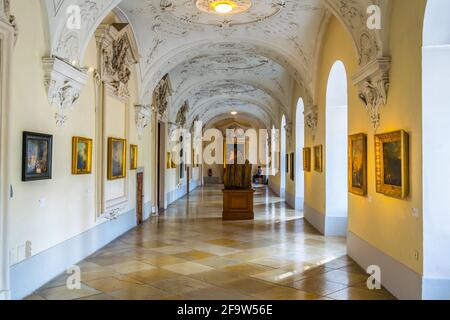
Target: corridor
{"x":189,"y":253}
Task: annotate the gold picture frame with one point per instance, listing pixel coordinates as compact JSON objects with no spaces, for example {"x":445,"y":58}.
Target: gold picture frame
{"x":307,"y":159}
{"x":169,"y":160}
{"x":357,"y":164}
{"x":392,"y":164}
{"x":133,"y":156}
{"x":173,"y":165}
{"x":117,"y":158}
{"x":318,"y":158}
{"x":81,"y":155}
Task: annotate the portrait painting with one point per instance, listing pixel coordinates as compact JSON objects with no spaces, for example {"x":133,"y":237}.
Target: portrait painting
{"x":173,"y":162}
{"x":133,"y":156}
{"x":318,"y":158}
{"x":81,"y":155}
{"x":357,"y":164}
{"x":36,"y":156}
{"x":392,"y":163}
{"x":307,"y":159}
{"x":117,"y":158}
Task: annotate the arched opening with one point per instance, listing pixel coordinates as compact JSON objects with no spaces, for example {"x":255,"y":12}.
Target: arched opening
{"x":336,"y":151}
{"x":299,"y":144}
{"x":436,"y":146}
{"x":283,"y":157}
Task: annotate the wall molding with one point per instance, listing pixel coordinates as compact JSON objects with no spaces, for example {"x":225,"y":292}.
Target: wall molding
{"x":63,"y":83}
{"x":326,"y":225}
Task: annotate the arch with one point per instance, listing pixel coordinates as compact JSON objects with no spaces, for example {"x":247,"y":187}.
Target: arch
{"x":336,"y":183}
{"x":299,"y":144}
{"x":283,"y":157}
{"x":435,"y":142}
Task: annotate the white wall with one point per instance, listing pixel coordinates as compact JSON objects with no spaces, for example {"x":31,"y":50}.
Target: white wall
{"x":436,"y":142}
{"x":299,"y":144}
{"x":336,"y":143}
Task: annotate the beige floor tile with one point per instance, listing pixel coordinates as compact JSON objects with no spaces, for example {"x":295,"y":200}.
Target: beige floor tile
{"x":248,"y":286}
{"x":152,"y":275}
{"x":272,"y":262}
{"x":164,"y":260}
{"x":187,"y":268}
{"x":216,"y":277}
{"x":101,"y":297}
{"x":195,"y":255}
{"x":62,"y":293}
{"x":218,"y":293}
{"x":342,"y":277}
{"x":131,"y":266}
{"x":247,"y":269}
{"x":218,"y":262}
{"x":138,"y":292}
{"x":318,"y":286}
{"x":284,"y":293}
{"x":352,"y":293}
{"x":180,"y":285}
{"x":188,"y":252}
{"x":111,"y":284}
{"x":223,"y":242}
{"x":172,"y":249}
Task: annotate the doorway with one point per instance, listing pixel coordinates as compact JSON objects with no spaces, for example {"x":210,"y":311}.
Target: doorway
{"x":139,"y":197}
{"x":160,"y":166}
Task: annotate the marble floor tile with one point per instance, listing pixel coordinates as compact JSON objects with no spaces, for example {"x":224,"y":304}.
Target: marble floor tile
{"x":188,"y":252}
{"x":187,"y":268}
{"x":62,"y":293}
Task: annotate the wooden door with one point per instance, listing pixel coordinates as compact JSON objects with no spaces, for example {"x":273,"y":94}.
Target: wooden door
{"x":140,"y":197}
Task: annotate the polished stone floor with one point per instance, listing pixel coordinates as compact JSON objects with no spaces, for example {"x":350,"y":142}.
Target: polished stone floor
{"x":188,"y":252}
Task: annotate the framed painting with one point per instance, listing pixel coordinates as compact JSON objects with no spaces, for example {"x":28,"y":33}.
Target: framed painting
{"x":307,"y":159}
{"x":287,"y":162}
{"x":173,"y":164}
{"x":292,"y":160}
{"x":81,"y":155}
{"x":357,"y":164}
{"x":169,"y":160}
{"x":318,"y":158}
{"x":133,"y":156}
{"x":37,"y":151}
{"x":392,"y":164}
{"x":117,"y":158}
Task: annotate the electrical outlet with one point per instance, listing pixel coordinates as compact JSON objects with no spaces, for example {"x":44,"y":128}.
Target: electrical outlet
{"x":28,"y":249}
{"x":369,"y":198}
{"x":415,"y":212}
{"x":41,"y":203}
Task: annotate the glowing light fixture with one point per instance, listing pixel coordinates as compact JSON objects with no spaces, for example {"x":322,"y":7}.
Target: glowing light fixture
{"x":233,"y":113}
{"x":223,"y":7}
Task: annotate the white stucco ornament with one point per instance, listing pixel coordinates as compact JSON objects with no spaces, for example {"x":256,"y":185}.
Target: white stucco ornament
{"x":63,"y":83}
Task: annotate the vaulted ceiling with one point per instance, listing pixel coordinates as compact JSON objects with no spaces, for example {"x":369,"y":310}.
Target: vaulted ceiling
{"x":246,"y":62}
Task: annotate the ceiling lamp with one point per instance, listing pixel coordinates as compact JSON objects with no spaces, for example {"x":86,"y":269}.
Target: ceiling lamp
{"x":233,"y":113}
{"x":223,"y":7}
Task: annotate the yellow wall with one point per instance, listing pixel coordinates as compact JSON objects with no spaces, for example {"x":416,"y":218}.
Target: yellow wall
{"x":384,"y":222}
{"x":69,"y":208}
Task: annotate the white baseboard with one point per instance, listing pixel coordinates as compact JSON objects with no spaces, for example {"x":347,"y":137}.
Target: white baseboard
{"x":328,"y":226}
{"x":400,"y":280}
{"x":5,"y":295}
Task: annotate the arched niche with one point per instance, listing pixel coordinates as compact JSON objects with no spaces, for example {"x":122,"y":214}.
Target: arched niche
{"x":336,"y":150}
{"x":299,"y":144}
